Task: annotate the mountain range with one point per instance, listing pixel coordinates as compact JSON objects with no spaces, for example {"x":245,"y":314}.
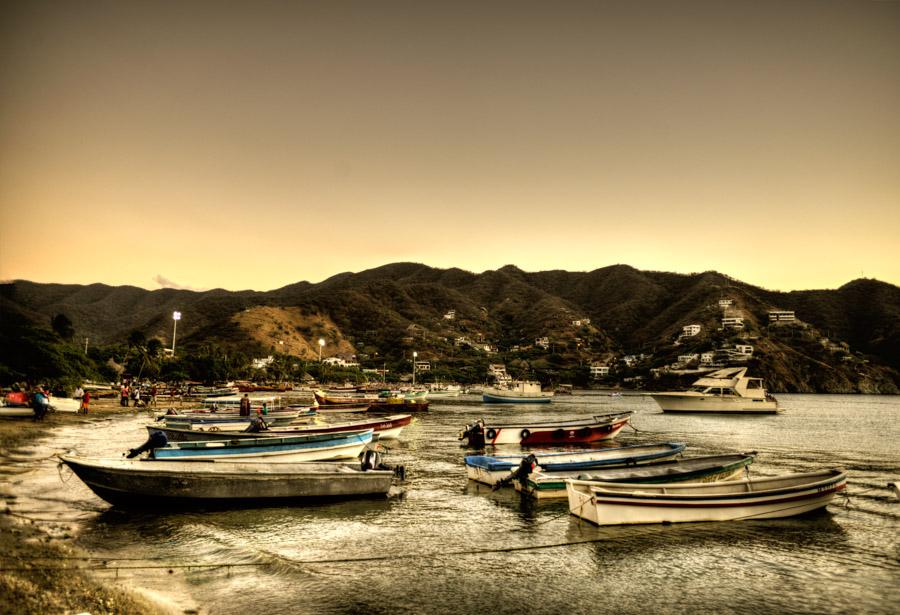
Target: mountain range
{"x":844,"y":340}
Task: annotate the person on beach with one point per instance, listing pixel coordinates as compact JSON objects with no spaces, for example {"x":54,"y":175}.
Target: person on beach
{"x":40,"y":403}
{"x":245,"y":405}
{"x":265,"y":409}
{"x":85,"y":402}
{"x":79,"y":393}
{"x":123,"y":395}
{"x":153,"y":395}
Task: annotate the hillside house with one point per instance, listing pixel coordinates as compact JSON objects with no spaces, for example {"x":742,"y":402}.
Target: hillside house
{"x":733,"y":322}
{"x":687,"y":358}
{"x":497,"y":371}
{"x":450,"y":315}
{"x":707,"y":358}
{"x":461,"y":341}
{"x":423,"y":366}
{"x":725,"y":303}
{"x":599,"y":370}
{"x":776,"y":316}
{"x":262,"y":363}
{"x":542,"y":342}
{"x":744,"y":349}
{"x":341,"y":361}
{"x":581,"y":322}
{"x":690,"y":330}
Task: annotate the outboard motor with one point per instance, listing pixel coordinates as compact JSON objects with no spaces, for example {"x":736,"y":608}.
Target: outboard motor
{"x":371,"y":460}
{"x":256,"y":425}
{"x":526,"y":467}
{"x":157,"y":439}
{"x":473,"y":434}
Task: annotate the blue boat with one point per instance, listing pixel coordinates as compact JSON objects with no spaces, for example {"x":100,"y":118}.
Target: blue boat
{"x":491,"y":470}
{"x":313,"y":447}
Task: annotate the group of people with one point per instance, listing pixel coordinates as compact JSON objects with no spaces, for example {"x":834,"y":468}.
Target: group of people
{"x":133,"y":392}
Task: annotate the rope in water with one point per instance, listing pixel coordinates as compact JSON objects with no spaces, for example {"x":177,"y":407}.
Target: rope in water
{"x":345,"y":560}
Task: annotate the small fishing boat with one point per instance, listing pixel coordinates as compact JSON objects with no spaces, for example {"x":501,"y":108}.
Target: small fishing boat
{"x":760,"y":498}
{"x":552,"y":432}
{"x":386,"y":428}
{"x":546,"y":485}
{"x":327,"y":399}
{"x":492,"y":470}
{"x":311,"y":447}
{"x":169,"y":484}
{"x":416,"y":402}
{"x":518,"y":392}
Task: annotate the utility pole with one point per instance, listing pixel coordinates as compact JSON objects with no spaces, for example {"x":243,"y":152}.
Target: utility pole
{"x":85,"y":344}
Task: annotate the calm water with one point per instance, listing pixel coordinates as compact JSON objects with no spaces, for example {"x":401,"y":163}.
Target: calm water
{"x":443,"y":538}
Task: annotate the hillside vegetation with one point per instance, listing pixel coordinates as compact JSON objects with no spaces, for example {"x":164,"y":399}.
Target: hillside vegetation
{"x":844,"y":340}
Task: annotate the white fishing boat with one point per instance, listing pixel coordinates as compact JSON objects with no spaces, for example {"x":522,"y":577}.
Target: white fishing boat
{"x":723,"y":391}
{"x":760,"y":498}
{"x":517,"y":392}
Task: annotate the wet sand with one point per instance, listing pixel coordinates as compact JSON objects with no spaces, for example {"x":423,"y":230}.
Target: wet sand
{"x":41,"y":569}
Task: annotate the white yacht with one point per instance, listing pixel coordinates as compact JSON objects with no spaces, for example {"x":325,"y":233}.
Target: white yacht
{"x":723,"y":391}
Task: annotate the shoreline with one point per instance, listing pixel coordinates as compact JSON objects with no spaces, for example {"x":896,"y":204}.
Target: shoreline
{"x":40,"y":566}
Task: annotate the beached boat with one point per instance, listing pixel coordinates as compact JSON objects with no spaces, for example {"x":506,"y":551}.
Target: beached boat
{"x":759,"y":498}
{"x":491,"y":470}
{"x":385,"y":428}
{"x":546,"y":485}
{"x":517,"y":392}
{"x":443,"y":391}
{"x":222,"y":423}
{"x":312,"y":447}
{"x":724,"y":391}
{"x":167,"y":484}
{"x":551,"y":432}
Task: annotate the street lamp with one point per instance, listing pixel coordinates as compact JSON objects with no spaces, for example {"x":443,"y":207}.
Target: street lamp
{"x":176,"y":316}
{"x":321,"y":345}
{"x":415,"y":354}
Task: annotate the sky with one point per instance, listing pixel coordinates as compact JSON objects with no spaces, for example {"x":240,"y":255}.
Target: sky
{"x":251,"y":145}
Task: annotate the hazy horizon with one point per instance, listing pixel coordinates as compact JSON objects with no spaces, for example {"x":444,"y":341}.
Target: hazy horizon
{"x":255,"y":145}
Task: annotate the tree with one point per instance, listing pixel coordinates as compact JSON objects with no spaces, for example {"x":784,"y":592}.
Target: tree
{"x":62,"y":326}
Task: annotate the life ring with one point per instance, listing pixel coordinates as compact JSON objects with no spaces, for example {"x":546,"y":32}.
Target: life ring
{"x":491,"y":433}
{"x":524,"y":434}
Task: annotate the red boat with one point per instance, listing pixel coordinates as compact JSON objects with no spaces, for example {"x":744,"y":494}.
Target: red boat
{"x":554,"y":433}
{"x":17,"y":399}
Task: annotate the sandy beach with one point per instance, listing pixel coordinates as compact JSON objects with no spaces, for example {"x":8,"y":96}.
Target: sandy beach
{"x":41,"y":569}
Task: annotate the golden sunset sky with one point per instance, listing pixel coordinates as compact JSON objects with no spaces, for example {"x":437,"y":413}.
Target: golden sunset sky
{"x":256,"y":144}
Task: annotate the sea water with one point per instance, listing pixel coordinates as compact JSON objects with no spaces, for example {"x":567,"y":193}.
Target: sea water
{"x":441,"y":544}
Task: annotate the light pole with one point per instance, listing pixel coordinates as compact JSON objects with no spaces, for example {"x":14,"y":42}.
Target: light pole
{"x":415,"y":354}
{"x":321,"y":345}
{"x":176,"y":316}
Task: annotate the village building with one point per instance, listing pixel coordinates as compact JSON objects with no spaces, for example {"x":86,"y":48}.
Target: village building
{"x":543,"y":342}
{"x":599,"y":370}
{"x":733,"y":322}
{"x":690,"y":330}
{"x":776,"y":316}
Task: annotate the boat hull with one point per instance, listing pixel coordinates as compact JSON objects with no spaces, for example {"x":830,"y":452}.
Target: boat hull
{"x":625,"y":504}
{"x":673,"y":402}
{"x":491,"y":470}
{"x":496,"y":398}
{"x":164,"y":484}
{"x":317,"y":447}
{"x":387,"y":428}
{"x":560,"y":433}
{"x":550,"y":485}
